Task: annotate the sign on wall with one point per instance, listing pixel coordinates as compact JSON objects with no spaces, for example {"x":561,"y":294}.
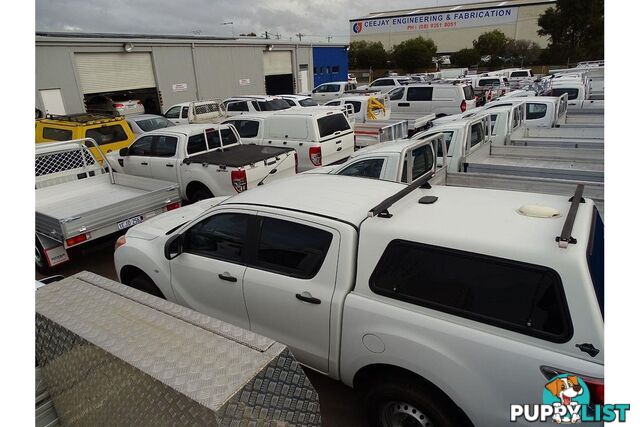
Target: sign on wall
{"x":436,"y":21}
{"x":179,"y":87}
{"x":244,"y":82}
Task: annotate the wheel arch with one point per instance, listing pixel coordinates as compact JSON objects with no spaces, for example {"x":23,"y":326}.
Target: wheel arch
{"x":129,"y":272}
{"x":369,"y":374}
{"x":195,"y":186}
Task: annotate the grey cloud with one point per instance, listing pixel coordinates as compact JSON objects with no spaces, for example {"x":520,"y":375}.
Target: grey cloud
{"x":315,"y":19}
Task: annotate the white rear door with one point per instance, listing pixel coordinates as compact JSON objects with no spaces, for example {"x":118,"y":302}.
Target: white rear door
{"x":164,"y":162}
{"x":289,"y":286}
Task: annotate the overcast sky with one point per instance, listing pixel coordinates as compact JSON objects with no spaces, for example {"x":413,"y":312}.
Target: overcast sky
{"x":315,"y":19}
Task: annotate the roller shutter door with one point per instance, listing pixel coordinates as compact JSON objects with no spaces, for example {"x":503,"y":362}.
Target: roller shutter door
{"x":276,"y":63}
{"x":111,"y":72}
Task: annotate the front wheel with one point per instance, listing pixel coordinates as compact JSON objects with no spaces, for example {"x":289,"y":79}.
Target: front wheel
{"x":143,"y":283}
{"x":408,"y":404}
{"x":200,"y":194}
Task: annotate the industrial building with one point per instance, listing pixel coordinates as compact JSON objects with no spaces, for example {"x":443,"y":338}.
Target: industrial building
{"x":165,"y":70}
{"x":453,"y":27}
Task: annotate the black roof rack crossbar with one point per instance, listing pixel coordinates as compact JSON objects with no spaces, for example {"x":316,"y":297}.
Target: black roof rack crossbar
{"x":382,"y":208}
{"x":565,"y":238}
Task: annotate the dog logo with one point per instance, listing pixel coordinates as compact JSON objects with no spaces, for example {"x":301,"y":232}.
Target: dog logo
{"x":357,"y":27}
{"x":569,"y":391}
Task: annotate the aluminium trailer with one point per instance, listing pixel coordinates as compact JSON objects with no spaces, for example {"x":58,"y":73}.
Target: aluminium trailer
{"x":74,"y":212}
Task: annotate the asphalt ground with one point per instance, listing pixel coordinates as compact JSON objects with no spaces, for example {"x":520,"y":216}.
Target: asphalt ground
{"x":339,"y":404}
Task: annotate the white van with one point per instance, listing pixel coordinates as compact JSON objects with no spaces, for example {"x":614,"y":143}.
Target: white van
{"x":439,"y":99}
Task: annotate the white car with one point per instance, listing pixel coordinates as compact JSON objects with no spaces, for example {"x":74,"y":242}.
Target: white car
{"x":299,"y":100}
{"x":142,"y":123}
{"x":254,"y":103}
{"x":122,"y":105}
{"x":330,"y":90}
{"x":421,"y":299}
{"x":351,"y":78}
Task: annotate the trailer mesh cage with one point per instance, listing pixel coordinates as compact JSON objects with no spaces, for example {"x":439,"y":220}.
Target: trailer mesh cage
{"x":206,"y":108}
{"x":61,"y":161}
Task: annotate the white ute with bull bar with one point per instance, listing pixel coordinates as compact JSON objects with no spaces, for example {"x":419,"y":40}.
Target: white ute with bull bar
{"x":419,"y":298}
{"x":205,"y":160}
{"x":78,"y":201}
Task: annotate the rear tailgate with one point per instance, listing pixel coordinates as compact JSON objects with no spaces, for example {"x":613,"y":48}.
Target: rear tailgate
{"x":336,"y":137}
{"x":251,"y":163}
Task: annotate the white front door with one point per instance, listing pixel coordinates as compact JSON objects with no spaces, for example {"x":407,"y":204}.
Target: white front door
{"x":136,"y":162}
{"x":289,"y":285}
{"x":52,"y":101}
{"x":208,"y":276}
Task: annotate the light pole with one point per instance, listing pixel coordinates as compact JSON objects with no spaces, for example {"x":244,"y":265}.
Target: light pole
{"x":233,"y":34}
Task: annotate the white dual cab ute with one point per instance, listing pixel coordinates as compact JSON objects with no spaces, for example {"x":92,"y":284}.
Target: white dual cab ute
{"x":330,"y":90}
{"x":319,"y":135}
{"x":446,"y":324}
{"x":205,"y":160}
{"x":212,"y":111}
{"x":254,"y":103}
{"x":78,"y":201}
{"x":530,"y":159}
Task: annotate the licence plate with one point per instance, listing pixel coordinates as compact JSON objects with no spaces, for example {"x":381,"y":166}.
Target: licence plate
{"x":130,"y":222}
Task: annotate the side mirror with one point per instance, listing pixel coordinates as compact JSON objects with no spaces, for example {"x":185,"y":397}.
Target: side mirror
{"x":173,"y":247}
{"x":124,"y":152}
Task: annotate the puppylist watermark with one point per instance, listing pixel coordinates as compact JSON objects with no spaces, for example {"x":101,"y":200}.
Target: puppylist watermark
{"x":566,"y":400}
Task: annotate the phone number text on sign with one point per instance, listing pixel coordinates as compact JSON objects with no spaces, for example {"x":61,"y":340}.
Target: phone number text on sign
{"x":434,"y":26}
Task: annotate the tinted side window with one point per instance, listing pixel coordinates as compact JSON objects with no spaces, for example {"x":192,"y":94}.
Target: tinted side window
{"x":228,"y":138}
{"x":173,"y":113}
{"x":468,"y":93}
{"x":185,"y":112}
{"x":164,"y":146}
{"x":196,"y":144}
{"x":396,"y":94}
{"x":383,"y":82}
{"x":292,"y":249}
{"x":356,"y":105}
{"x":370,"y":168}
{"x":56,"y":134}
{"x":246,"y":128}
{"x":520,"y":297}
{"x":328,"y":125}
{"x":422,"y":161}
{"x":419,"y":93}
{"x":571,"y":93}
{"x":477,"y":134}
{"x":536,"y":111}
{"x":219,"y":236}
{"x":142,"y":147}
{"x":107,"y":134}
{"x":237,"y":106}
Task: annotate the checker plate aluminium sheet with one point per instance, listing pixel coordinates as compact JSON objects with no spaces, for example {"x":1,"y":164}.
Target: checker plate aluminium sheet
{"x":111,"y":355}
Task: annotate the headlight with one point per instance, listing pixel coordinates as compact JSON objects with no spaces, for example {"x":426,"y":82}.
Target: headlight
{"x":121,"y":241}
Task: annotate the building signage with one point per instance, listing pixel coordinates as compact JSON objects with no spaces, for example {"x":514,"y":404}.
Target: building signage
{"x":436,"y":21}
{"x":179,"y":87}
{"x":244,"y":82}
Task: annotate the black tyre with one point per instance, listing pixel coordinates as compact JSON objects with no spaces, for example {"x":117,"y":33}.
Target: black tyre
{"x":408,"y":403}
{"x":200,"y":194}
{"x":143,"y":283}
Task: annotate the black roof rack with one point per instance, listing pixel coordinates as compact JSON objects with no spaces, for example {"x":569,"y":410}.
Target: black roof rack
{"x":381,"y":209}
{"x":83,"y":117}
{"x":565,"y":238}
